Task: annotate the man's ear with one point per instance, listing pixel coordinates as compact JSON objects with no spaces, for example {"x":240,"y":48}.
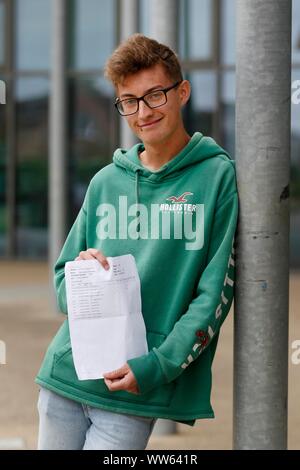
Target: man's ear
{"x":184,"y":91}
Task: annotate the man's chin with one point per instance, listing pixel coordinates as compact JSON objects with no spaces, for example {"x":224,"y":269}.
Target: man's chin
{"x":146,"y":138}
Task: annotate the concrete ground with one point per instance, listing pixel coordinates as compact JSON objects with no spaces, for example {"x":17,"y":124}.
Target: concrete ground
{"x":28,"y":322}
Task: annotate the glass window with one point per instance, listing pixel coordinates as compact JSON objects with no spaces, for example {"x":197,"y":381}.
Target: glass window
{"x":93,"y":130}
{"x":200,"y":109}
{"x":33,"y":24}
{"x":145,"y":12}
{"x":195,"y":21}
{"x":32,"y":166}
{"x":2,"y":34}
{"x":295,"y":140}
{"x":196,"y":29}
{"x":3,"y":206}
{"x":295,"y":175}
{"x":228,"y":112}
{"x":228,"y":31}
{"x":295,"y":110}
{"x":296,"y":31}
{"x":94,"y":32}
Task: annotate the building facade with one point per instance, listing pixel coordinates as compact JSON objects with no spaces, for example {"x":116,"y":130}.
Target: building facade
{"x":206,"y":46}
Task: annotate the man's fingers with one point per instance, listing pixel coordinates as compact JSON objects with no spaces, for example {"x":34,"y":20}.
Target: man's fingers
{"x":121,"y":385}
{"x":116,"y":385}
{"x":99,"y":256}
{"x":116,"y":373}
{"x":93,"y":253}
{"x":84,"y":255}
{"x":121,"y":379}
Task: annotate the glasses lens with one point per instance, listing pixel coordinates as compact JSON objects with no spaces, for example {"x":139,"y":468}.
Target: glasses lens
{"x":129,"y":106}
{"x":155,"y":99}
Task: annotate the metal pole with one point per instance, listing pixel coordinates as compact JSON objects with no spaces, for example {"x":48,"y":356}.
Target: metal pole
{"x":129,"y":25}
{"x":263,"y":72}
{"x":57,"y":141}
{"x":163,"y":28}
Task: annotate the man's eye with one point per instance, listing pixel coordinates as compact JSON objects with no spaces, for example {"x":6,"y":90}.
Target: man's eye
{"x":130,"y":102}
{"x":156,"y":95}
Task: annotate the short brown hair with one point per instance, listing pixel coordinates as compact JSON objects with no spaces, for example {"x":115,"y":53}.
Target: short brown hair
{"x":139,"y":52}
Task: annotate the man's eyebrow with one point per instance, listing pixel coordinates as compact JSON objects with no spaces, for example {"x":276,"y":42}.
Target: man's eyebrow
{"x":129,"y":95}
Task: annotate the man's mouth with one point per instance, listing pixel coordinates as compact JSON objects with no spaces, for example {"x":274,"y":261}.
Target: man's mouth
{"x":149,"y":124}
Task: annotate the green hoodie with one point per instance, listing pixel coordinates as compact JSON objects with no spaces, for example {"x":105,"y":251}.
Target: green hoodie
{"x":179,"y":223}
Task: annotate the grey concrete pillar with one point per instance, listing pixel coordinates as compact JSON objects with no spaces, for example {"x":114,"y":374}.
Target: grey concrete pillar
{"x":129,"y":25}
{"x":57,"y":133}
{"x":263,"y":71}
{"x":163,"y":22}
{"x":163,"y":28}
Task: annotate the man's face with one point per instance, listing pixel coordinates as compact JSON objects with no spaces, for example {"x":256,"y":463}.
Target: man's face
{"x":154,"y":126}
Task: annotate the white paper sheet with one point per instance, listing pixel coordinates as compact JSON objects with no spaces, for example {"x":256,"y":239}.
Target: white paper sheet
{"x":105,"y":319}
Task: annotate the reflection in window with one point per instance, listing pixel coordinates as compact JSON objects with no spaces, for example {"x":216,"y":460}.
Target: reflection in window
{"x":32,"y":174}
{"x":2,"y":34}
{"x":3,"y":207}
{"x":196,"y":29}
{"x":228,"y":32}
{"x":92,"y":133}
{"x":199,"y":111}
{"x":228,"y":112}
{"x":94,"y":32}
{"x":33,"y":24}
{"x":295,"y":179}
{"x":296,"y":31}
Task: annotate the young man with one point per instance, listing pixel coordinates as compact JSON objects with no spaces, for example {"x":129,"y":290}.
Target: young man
{"x":171,"y":201}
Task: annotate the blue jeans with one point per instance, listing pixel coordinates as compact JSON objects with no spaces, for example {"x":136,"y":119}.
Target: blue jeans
{"x":69,"y":425}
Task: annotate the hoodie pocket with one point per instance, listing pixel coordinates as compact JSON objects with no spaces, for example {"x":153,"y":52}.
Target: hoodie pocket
{"x":63,"y":371}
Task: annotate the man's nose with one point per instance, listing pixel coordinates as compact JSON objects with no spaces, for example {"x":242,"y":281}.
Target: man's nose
{"x":144,"y":110}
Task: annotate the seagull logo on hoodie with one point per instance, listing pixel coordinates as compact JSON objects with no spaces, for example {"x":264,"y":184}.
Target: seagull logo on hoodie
{"x":179,"y":199}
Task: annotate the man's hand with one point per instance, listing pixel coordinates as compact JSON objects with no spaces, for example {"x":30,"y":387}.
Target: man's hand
{"x":121,"y":379}
{"x":93,"y":253}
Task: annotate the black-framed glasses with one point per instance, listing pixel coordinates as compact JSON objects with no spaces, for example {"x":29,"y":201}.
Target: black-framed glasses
{"x":153,"y":99}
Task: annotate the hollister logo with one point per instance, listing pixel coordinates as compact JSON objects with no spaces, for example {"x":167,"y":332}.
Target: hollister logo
{"x":180,"y":198}
{"x":178,"y":204}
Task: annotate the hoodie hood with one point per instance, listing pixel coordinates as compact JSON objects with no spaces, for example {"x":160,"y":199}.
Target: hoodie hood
{"x":197,"y":150}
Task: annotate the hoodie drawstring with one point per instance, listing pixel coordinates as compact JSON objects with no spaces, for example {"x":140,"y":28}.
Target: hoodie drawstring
{"x":138,"y":227}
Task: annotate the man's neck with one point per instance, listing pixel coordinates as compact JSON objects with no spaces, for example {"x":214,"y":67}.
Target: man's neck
{"x":155,"y":156}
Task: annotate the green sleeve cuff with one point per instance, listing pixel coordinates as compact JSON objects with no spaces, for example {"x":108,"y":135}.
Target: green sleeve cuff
{"x":62,"y":297}
{"x":147,"y":371}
